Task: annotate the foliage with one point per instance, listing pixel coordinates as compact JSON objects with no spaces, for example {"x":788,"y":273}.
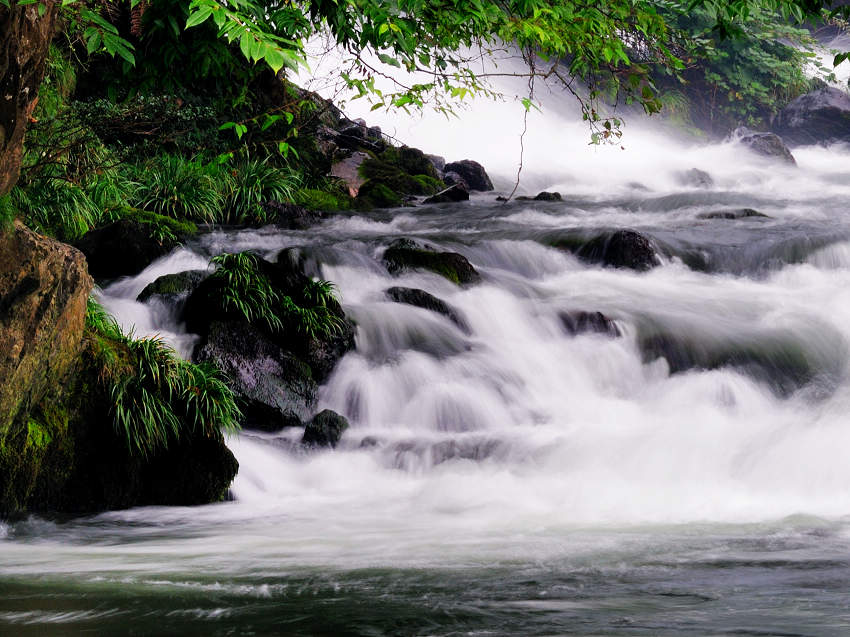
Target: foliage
{"x":57,"y":207}
{"x":316,"y":199}
{"x":251,"y":182}
{"x":182,"y":188}
{"x":158,"y":398}
{"x":746,"y":78}
{"x":248,"y":292}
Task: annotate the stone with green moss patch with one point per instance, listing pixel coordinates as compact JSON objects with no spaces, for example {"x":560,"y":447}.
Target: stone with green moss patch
{"x":405,"y":254}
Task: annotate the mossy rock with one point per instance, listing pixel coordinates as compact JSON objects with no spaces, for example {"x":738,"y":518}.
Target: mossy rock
{"x":322,"y":200}
{"x":171,"y":287}
{"x":375,"y":193}
{"x":405,"y":254}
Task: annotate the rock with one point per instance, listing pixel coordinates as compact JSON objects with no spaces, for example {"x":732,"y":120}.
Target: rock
{"x":764,"y":144}
{"x":577,"y":322}
{"x":696,"y":178}
{"x":621,"y":249}
{"x":172,"y":288}
{"x":438,"y":162}
{"x":44,"y":289}
{"x":123,"y":248}
{"x":349,"y":171}
{"x":379,"y":195}
{"x":548,"y":196}
{"x":822,"y":116}
{"x":472,"y":173}
{"x":449,"y":195}
{"x":405,"y":254}
{"x":413,"y":161}
{"x":421,"y":298}
{"x":291,"y":216}
{"x":275,"y":388}
{"x":740,"y":213}
{"x":451,"y":178}
{"x":325,"y":429}
{"x":501,"y":198}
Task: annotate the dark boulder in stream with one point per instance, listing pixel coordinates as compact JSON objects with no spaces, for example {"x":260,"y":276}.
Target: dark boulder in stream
{"x":471,"y":172}
{"x":421,"y":298}
{"x":325,"y":429}
{"x":275,"y":369}
{"x":451,"y":194}
{"x":822,"y":116}
{"x":580,"y":322}
{"x":173,"y":288}
{"x":765,"y":144}
{"x":620,"y":249}
{"x":405,"y":254}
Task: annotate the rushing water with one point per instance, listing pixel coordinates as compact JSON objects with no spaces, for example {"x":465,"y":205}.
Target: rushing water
{"x":688,"y":477}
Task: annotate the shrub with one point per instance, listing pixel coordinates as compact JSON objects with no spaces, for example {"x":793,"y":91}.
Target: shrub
{"x":180,"y":188}
{"x":57,"y":207}
{"x":158,"y":398}
{"x":247,"y":291}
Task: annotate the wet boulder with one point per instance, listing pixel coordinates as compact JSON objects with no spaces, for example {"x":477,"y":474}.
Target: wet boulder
{"x":451,"y":194}
{"x":765,"y":144}
{"x":438,"y":162}
{"x":452,"y":178}
{"x":621,"y":249}
{"x":472,"y":173}
{"x":404,"y":254}
{"x":421,"y":298}
{"x":738,"y":213}
{"x":126,"y":247}
{"x":548,"y":196}
{"x":821,"y":116}
{"x":325,"y":429}
{"x":275,"y":388}
{"x":580,"y":322}
{"x":290,"y":216}
{"x":171,"y":289}
{"x":348,"y":170}
{"x":696,"y":178}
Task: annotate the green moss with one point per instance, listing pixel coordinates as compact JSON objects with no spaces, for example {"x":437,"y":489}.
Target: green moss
{"x":315,"y":199}
{"x":38,"y":435}
{"x":377,"y":194}
{"x":178,"y":227}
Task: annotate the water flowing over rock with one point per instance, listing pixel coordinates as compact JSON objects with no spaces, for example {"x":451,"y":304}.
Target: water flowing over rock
{"x":472,"y":173}
{"x":696,"y":178}
{"x":421,"y":298}
{"x":173,"y":288}
{"x":618,"y":249}
{"x":405,"y":254}
{"x":822,"y":116}
{"x":580,"y":322}
{"x":764,"y":144}
{"x":325,"y":429}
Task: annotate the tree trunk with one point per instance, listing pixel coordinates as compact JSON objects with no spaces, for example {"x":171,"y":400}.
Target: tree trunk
{"x":25,"y":36}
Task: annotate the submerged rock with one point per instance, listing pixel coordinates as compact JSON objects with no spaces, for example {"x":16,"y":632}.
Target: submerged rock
{"x":449,"y":195}
{"x":764,"y":144}
{"x":421,"y":298}
{"x":621,"y":249}
{"x":822,"y":116}
{"x":740,"y":213}
{"x":696,"y":178}
{"x":325,"y":429}
{"x":290,"y":216}
{"x":404,"y":254}
{"x":579,"y":322}
{"x":471,"y":172}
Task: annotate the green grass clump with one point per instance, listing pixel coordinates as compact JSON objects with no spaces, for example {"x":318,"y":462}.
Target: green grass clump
{"x":181,"y":188}
{"x":251,"y":182}
{"x":158,"y":398}
{"x":246,"y":291}
{"x":57,"y":207}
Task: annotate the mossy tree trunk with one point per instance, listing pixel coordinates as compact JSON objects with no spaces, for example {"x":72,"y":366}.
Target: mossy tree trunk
{"x":25,"y":34}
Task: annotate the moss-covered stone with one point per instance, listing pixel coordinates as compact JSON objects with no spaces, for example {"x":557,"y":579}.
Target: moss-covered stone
{"x":322,"y":200}
{"x":374,"y":193}
{"x":405,"y":254}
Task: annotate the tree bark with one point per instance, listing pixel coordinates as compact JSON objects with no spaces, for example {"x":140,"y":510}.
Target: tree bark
{"x":25,"y":34}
